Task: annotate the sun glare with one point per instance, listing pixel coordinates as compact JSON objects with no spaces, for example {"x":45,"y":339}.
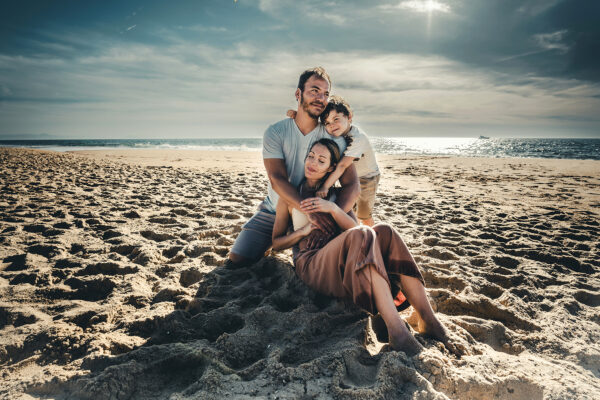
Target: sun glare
{"x":425,"y":6}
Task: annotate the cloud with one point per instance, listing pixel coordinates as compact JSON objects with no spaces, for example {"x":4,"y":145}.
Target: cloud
{"x":536,"y":7}
{"x":5,"y":91}
{"x":233,"y":70}
{"x":307,"y":11}
{"x":186,"y":88}
{"x":204,"y":28}
{"x":552,"y":41}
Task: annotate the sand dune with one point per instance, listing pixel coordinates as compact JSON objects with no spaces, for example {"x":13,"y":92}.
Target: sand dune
{"x":113,"y":282}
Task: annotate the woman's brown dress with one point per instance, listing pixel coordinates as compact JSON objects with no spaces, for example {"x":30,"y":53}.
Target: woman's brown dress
{"x":339,"y":268}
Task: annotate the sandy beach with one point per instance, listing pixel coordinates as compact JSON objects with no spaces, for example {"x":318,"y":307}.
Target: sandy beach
{"x":113,"y":282}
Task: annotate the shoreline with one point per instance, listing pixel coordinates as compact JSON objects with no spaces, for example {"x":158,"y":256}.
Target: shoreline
{"x":125,"y":152}
{"x":131,"y":154}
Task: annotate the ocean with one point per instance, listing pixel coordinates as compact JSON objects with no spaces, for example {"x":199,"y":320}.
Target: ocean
{"x":581,"y":149}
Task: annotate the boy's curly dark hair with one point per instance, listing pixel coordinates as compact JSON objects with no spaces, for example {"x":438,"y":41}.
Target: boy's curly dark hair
{"x":338,"y":104}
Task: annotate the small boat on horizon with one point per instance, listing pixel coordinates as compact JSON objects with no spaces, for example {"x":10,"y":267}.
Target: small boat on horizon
{"x":484,"y":137}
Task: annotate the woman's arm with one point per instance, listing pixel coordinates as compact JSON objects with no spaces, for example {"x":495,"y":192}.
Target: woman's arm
{"x":316,"y":204}
{"x":334,"y":176}
{"x":281,"y":239}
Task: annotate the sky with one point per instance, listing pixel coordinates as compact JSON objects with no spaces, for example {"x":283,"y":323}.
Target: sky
{"x":225,"y":68}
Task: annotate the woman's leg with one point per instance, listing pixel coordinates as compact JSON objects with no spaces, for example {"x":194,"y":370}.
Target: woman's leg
{"x":428,"y":324}
{"x":400,"y":265}
{"x":399,"y":336}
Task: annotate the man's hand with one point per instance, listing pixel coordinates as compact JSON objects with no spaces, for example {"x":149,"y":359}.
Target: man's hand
{"x":317,"y":239}
{"x":323,"y":221}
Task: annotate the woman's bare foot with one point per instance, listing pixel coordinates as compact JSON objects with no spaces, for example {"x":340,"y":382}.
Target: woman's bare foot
{"x":380,"y":328}
{"x":435,"y":330}
{"x":402,"y":340}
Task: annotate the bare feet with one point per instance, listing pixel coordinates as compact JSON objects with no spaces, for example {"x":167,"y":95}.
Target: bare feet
{"x":380,"y":328}
{"x":435,"y":330}
{"x":403,"y":340}
{"x":400,"y":340}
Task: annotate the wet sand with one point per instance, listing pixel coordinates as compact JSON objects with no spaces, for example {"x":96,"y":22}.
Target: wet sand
{"x":113,"y":282}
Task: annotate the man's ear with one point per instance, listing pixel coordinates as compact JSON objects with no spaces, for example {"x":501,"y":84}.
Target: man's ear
{"x":298,"y":93}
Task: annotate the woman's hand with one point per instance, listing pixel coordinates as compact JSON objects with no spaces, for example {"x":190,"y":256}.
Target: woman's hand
{"x":308,"y":228}
{"x":316,"y":204}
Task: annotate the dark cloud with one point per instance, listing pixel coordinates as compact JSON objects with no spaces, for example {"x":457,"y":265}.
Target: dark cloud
{"x":513,"y":36}
{"x":558,"y":39}
{"x":50,"y":100}
{"x":554,"y":38}
{"x":343,"y":85}
{"x":425,"y":113}
{"x":573,"y":118}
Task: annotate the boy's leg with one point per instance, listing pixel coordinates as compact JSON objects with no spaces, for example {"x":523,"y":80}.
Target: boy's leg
{"x":366,"y":200}
{"x":254,"y":239}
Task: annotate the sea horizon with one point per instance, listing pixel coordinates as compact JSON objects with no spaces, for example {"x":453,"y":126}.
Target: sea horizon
{"x":483,"y":146}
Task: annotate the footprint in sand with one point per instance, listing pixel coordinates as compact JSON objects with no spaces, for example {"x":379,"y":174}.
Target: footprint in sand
{"x":163,"y":220}
{"x":156,"y":236}
{"x":107,"y":268}
{"x":91,"y":289}
{"x":17,"y":317}
{"x":46,"y":250}
{"x":591,"y":299}
{"x":480,"y":307}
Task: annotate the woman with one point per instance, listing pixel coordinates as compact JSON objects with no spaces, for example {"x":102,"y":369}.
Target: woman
{"x":371,"y":266}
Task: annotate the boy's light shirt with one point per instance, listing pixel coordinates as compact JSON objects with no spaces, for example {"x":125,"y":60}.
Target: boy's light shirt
{"x":366,"y":165}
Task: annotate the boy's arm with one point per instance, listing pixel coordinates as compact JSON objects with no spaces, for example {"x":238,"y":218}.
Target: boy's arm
{"x":350,"y":189}
{"x":339,"y":170}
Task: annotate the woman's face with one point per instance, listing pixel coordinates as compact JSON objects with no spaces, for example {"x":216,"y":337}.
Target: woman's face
{"x":318,"y":162}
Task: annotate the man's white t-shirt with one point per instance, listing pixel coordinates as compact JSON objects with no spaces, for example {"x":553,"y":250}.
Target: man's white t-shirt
{"x":360,"y":148}
{"x":284,"y":140}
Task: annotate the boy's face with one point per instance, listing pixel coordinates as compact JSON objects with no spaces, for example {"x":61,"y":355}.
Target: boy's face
{"x":337,"y":123}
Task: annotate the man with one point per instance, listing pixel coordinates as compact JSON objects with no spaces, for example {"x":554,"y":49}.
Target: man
{"x":285,"y":144}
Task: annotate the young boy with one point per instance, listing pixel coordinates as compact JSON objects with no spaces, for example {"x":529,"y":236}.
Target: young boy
{"x":337,"y":118}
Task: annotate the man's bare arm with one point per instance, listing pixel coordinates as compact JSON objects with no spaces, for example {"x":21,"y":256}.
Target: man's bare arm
{"x":279,"y":181}
{"x":350,"y":189}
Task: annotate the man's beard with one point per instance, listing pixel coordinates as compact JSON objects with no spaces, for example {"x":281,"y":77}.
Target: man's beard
{"x":306,"y":107}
